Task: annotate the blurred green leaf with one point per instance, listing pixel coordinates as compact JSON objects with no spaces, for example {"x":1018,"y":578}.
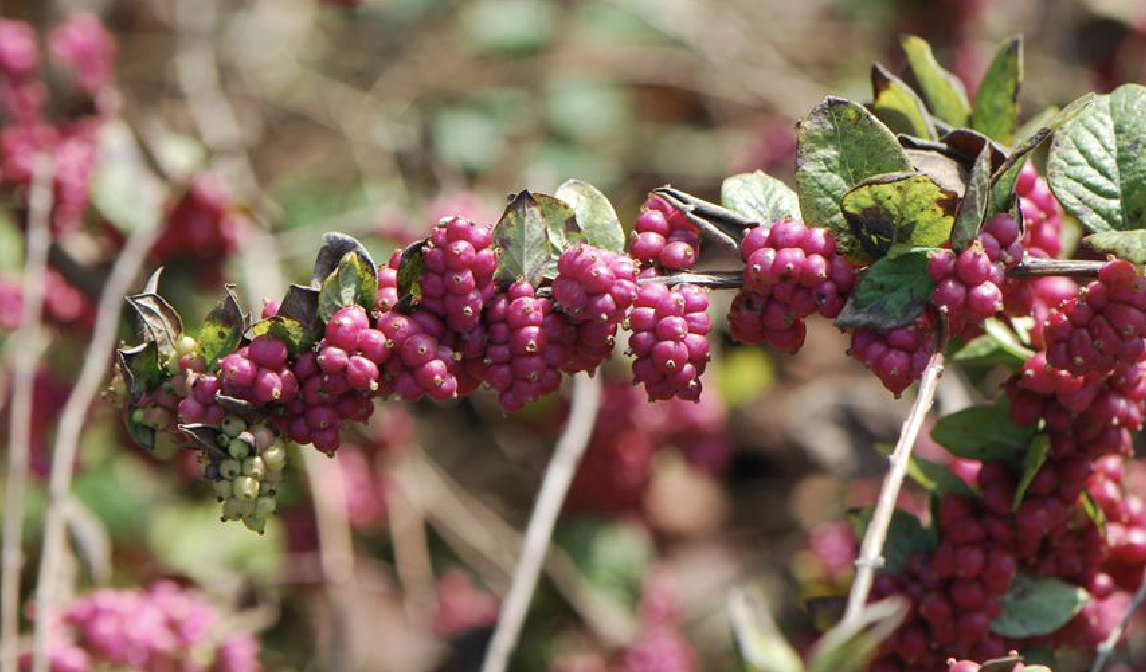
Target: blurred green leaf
{"x":468,"y":138}
{"x":586,"y":110}
{"x":761,"y":646}
{"x":743,"y":374}
{"x":120,"y":491}
{"x":180,"y":155}
{"x":514,"y":26}
{"x":190,"y":538}
{"x":11,"y":244}
{"x":851,"y":645}
{"x":612,"y":555}
{"x":1037,"y":606}
{"x":123,"y":189}
{"x":1033,"y":461}
{"x":1128,"y":245}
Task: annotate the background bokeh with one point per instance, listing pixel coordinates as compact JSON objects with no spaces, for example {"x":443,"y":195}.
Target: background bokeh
{"x":289,"y":118}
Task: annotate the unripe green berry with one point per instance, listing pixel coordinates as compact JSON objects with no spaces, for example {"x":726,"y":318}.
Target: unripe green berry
{"x":254,"y":467}
{"x":222,"y":489}
{"x":255,"y":523}
{"x":235,"y":508}
{"x":233,"y":425}
{"x":275,"y":457}
{"x":229,"y":469}
{"x":273,"y":477}
{"x":138,"y":417}
{"x":246,"y":488}
{"x":238,"y":448}
{"x":265,"y":506}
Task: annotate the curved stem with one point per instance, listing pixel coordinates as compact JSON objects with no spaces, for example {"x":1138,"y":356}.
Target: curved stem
{"x":1106,"y":648}
{"x":871,"y":550}
{"x":566,"y":456}
{"x":72,"y":421}
{"x":26,"y":356}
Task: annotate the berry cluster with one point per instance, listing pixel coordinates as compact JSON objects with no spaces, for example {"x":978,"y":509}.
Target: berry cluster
{"x":663,"y":237}
{"x":64,"y":305}
{"x":594,"y":289}
{"x":897,"y":357}
{"x":520,"y":367}
{"x":163,"y":628}
{"x":790,"y":272}
{"x":458,"y":279}
{"x":1042,"y":215}
{"x":245,"y":479}
{"x":969,"y":284}
{"x":616,"y":470}
{"x":670,"y":340}
{"x":1104,"y":326}
{"x":202,"y":224}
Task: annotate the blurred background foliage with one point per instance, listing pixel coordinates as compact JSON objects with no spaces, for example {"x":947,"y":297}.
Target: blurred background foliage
{"x":377,"y":118}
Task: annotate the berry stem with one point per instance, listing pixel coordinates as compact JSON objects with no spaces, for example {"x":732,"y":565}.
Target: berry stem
{"x":335,"y":551}
{"x":1106,"y":648}
{"x":26,"y":342}
{"x":75,"y":411}
{"x":1034,"y":266}
{"x":871,"y":550}
{"x":566,"y":456}
{"x":712,"y":279}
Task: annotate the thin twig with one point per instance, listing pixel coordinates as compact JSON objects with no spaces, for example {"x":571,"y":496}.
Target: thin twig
{"x":72,"y":418}
{"x":1033,"y":266}
{"x":336,"y":551}
{"x":27,"y":339}
{"x":871,"y":550}
{"x":566,"y":456}
{"x":710,"y":279}
{"x":1106,"y":648}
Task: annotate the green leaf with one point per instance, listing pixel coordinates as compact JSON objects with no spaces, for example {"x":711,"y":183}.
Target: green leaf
{"x":141,"y":368}
{"x":1094,"y":512}
{"x":1033,"y":460}
{"x":981,"y":433}
{"x":512,"y":26}
{"x":891,"y":294}
{"x":943,"y":91}
{"x":222,"y":329}
{"x":852,"y":644}
{"x":973,"y":207}
{"x":897,"y":105}
{"x":995,"y":110}
{"x":523,"y":238}
{"x":906,"y":537}
{"x":898,"y":209}
{"x":998,"y":346}
{"x":759,"y":196}
{"x":760,"y":645}
{"x":335,"y":245}
{"x":351,"y":283}
{"x":410,"y":268}
{"x":930,"y":476}
{"x":1128,"y":245}
{"x":301,"y":305}
{"x":1004,"y":179}
{"x":595,"y":219}
{"x":285,"y":329}
{"x":840,"y":144}
{"x":1097,"y":162}
{"x":1037,"y":606}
